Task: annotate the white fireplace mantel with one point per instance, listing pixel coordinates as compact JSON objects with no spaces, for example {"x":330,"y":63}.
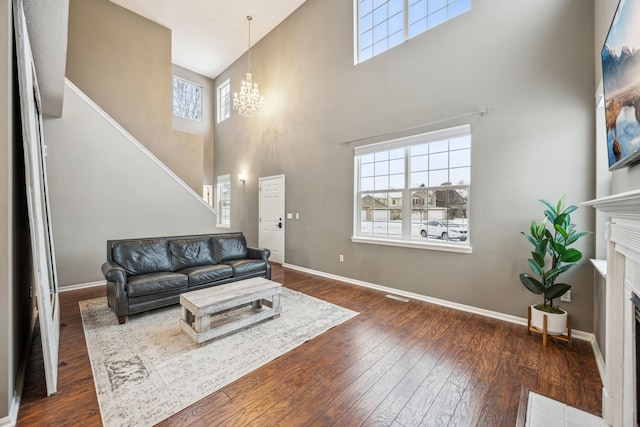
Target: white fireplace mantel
{"x":623,"y":280}
{"x":621,"y":205}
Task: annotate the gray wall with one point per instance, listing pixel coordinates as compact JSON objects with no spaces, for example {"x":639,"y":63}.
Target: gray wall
{"x":104,"y":187}
{"x":123,"y":62}
{"x":203,"y":128}
{"x":530,"y":61}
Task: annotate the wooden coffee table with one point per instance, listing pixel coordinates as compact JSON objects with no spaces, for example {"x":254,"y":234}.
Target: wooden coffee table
{"x":212,"y":312}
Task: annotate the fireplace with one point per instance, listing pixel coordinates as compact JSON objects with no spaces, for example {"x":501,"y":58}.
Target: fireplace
{"x":621,"y":390}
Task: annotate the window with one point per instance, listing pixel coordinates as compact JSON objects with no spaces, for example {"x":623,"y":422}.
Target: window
{"x":187,"y":99}
{"x":207,"y":194}
{"x":380,"y":26}
{"x":384,"y":24}
{"x":415,"y":191}
{"x":223,"y":201}
{"x":224,"y":101}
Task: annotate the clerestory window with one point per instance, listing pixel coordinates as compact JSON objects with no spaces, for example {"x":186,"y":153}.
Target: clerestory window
{"x":224,"y":101}
{"x":383,"y":24}
{"x":187,"y":99}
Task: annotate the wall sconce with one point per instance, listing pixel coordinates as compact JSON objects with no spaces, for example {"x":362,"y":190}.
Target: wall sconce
{"x":243,"y":178}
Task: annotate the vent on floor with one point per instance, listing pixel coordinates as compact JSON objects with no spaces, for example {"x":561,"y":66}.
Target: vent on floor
{"x":397,"y":298}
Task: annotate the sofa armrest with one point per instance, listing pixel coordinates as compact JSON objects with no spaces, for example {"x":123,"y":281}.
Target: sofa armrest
{"x":116,"y":277}
{"x":259,"y":253}
{"x":113,"y":272}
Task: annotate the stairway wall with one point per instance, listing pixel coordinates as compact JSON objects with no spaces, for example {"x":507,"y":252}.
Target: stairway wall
{"x":105,"y":185}
{"x":123,"y":62}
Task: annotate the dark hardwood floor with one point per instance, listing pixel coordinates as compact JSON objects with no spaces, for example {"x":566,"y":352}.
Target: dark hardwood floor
{"x":397,"y":364}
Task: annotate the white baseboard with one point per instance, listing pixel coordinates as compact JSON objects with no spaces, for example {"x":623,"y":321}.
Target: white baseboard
{"x":14,"y":406}
{"x":7,"y":422}
{"x":11,"y":419}
{"x":81,"y":286}
{"x":581,"y":335}
{"x":577,"y":334}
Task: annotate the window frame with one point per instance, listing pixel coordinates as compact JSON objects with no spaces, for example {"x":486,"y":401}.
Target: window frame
{"x":220,"y":98}
{"x":200,"y":89}
{"x":409,"y":22}
{"x":408,"y":191}
{"x":223,"y":220}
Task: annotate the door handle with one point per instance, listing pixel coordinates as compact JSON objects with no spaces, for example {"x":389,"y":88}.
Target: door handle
{"x":280,"y":223}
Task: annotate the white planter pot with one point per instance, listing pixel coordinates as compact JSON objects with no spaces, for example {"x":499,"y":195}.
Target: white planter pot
{"x":556,"y":323}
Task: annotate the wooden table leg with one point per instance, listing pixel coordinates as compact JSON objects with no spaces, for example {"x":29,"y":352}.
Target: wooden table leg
{"x":202,"y":323}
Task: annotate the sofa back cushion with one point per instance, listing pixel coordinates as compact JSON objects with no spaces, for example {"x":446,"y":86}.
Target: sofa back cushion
{"x":232,"y":246}
{"x":190,"y":253}
{"x":143,"y":256}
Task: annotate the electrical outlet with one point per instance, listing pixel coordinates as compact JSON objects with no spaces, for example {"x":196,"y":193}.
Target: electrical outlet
{"x":566,"y":297}
{"x":341,"y":258}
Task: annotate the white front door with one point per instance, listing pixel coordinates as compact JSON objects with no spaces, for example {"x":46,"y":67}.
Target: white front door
{"x":271,"y":210}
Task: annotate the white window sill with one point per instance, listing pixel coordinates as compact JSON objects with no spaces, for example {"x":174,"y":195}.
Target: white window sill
{"x":223,"y":226}
{"x":445,"y":247}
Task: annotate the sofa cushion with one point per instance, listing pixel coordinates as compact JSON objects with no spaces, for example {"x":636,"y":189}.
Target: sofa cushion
{"x":190,"y":252}
{"x":207,"y":273}
{"x":229,"y":247}
{"x":155,"y":283}
{"x":242,"y":267}
{"x":143,"y":256}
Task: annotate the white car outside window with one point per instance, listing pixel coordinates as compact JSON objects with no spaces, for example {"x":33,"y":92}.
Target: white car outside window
{"x":444,"y":230}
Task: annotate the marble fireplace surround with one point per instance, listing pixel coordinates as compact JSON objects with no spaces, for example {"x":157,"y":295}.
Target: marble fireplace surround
{"x":623,"y":280}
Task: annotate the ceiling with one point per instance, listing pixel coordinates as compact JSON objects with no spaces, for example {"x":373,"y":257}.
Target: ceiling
{"x":207,"y":36}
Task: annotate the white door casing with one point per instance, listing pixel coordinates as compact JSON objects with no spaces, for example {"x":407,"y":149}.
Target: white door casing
{"x":271,"y":220}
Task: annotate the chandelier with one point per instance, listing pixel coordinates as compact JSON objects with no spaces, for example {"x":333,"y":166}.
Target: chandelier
{"x":248,"y":100}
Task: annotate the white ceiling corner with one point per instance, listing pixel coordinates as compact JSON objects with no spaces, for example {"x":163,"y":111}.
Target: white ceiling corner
{"x":208,"y":36}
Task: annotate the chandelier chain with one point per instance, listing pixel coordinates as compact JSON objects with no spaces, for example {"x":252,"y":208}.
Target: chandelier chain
{"x":249,"y":18}
{"x":249,"y":99}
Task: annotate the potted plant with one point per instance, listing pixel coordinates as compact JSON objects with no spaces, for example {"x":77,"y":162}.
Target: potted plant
{"x":552,"y":255}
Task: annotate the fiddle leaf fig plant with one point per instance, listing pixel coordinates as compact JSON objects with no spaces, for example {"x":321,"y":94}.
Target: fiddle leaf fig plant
{"x":552,"y":254}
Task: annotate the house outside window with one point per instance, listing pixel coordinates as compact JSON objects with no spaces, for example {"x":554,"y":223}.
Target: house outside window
{"x":224,"y":101}
{"x":223,"y":201}
{"x":383,"y":24}
{"x":187,"y":99}
{"x":414,"y":191}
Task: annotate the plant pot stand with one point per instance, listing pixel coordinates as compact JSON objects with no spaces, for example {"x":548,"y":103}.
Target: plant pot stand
{"x":564,"y":337}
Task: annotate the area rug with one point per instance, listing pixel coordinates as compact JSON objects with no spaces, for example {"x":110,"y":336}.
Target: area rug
{"x":148,"y":369}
